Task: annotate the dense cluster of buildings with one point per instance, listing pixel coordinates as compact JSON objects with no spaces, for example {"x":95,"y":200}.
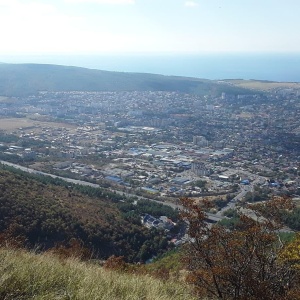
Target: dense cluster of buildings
{"x":161,"y":143}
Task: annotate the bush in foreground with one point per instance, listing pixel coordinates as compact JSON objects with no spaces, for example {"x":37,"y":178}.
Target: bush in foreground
{"x":249,"y":262}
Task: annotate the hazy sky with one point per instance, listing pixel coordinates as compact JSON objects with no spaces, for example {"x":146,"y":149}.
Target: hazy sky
{"x":101,"y":26}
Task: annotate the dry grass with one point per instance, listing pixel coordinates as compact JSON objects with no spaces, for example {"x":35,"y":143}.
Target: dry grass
{"x":4,"y":99}
{"x":263,"y":85}
{"x":28,"y":276}
{"x":12,"y":124}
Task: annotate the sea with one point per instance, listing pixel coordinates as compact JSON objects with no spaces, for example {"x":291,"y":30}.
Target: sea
{"x":282,"y":67}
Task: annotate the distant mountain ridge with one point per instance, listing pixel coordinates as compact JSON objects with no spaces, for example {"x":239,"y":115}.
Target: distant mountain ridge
{"x":25,"y":79}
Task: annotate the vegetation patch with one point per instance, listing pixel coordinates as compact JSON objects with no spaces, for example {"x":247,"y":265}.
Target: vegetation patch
{"x":47,"y":215}
{"x":28,"y":276}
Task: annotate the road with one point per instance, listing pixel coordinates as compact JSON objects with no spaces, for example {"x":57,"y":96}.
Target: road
{"x":244,"y":190}
{"x":218,"y":216}
{"x":86,"y":183}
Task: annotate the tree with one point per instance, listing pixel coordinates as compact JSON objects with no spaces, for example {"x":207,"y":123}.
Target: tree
{"x":291,"y":253}
{"x":200,"y":183}
{"x":242,"y":263}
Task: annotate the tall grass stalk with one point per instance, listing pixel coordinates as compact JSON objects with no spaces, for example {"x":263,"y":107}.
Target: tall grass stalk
{"x":25,"y":275}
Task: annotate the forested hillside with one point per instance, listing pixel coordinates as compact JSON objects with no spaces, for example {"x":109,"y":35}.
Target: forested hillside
{"x":25,"y":79}
{"x":45,"y":215}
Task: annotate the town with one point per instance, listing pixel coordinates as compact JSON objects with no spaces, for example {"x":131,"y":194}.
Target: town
{"x":161,"y":145}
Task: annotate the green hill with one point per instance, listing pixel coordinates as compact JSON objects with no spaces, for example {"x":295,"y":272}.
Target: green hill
{"x":24,"y":79}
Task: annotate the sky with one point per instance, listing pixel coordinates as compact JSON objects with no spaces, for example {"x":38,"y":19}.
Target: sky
{"x":148,"y":26}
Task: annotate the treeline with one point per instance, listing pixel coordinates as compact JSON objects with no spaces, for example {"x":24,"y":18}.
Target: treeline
{"x":8,"y":138}
{"x":125,"y":205}
{"x":132,"y":210}
{"x":13,"y":158}
{"x":22,"y":142}
{"x":50,"y":212}
{"x":292,"y":219}
{"x":84,"y":189}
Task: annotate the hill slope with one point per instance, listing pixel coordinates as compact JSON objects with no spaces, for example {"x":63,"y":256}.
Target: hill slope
{"x":24,"y":79}
{"x":28,"y":276}
{"x":46,"y":215}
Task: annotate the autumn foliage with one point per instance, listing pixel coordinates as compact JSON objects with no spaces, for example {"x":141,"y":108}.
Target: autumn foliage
{"x":291,"y":253}
{"x":39,"y":212}
{"x":249,"y":262}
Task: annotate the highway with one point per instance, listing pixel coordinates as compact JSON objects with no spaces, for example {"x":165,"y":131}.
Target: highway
{"x":218,"y":216}
{"x":86,"y":183}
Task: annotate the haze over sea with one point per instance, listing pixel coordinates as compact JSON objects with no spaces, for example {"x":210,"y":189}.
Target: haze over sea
{"x":267,"y":66}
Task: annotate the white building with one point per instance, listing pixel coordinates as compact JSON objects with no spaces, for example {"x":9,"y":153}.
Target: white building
{"x":199,"y":168}
{"x":200,"y":141}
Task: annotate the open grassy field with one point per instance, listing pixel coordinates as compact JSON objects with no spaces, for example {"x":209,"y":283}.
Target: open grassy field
{"x":4,"y":99}
{"x":24,"y":275}
{"x":263,"y":85}
{"x":13,"y":124}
